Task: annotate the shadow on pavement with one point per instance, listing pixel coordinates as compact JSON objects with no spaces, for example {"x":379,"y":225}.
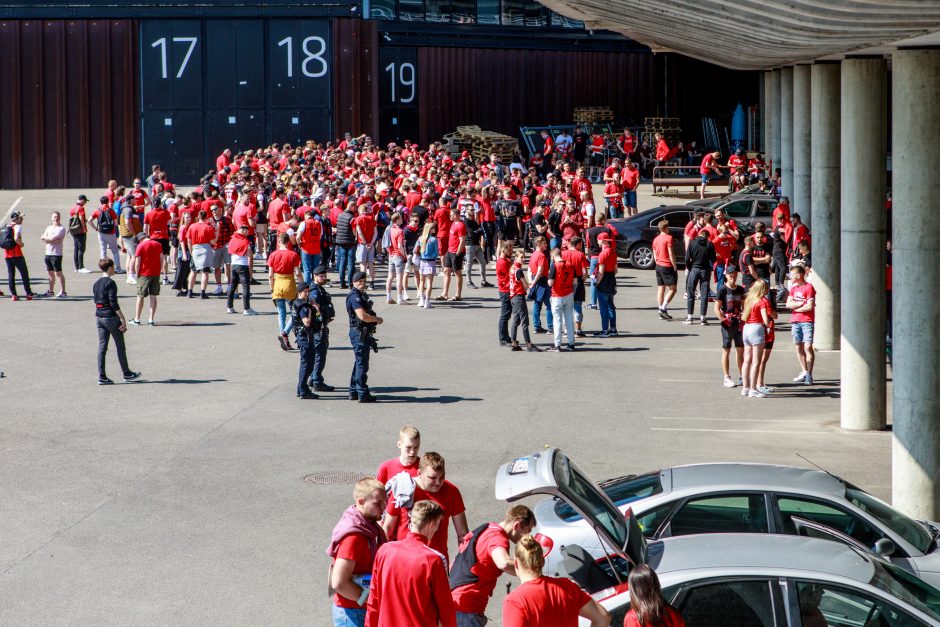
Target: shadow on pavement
{"x":180,"y":381}
{"x":653,"y":335}
{"x":180,"y":323}
{"x":385,"y":398}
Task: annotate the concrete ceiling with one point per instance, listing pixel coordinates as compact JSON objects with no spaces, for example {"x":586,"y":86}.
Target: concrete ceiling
{"x":761,"y":34}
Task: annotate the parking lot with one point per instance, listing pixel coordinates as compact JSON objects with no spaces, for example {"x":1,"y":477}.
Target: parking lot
{"x":206,"y":492}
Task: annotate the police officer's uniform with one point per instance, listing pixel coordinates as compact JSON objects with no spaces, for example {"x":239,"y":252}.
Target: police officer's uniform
{"x":358,"y":386}
{"x":302,"y":308}
{"x":321,"y":339}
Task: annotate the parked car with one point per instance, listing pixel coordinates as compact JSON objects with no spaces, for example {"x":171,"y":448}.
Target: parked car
{"x":754,"y":498}
{"x":731,"y":580}
{"x":636,"y":233}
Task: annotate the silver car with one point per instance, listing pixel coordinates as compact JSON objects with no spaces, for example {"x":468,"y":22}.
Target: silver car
{"x":752,"y":498}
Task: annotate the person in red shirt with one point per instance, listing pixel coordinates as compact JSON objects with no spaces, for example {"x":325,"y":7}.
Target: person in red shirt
{"x":157,"y":228}
{"x":409,"y":579}
{"x":613,"y":194}
{"x":409,"y":445}
{"x":483,"y":557}
{"x":647,"y":606}
{"x":503,"y":268}
{"x":397,"y":259}
{"x":456,"y":253}
{"x":781,"y":214}
{"x":606,"y":271}
{"x":15,"y":260}
{"x":579,"y":261}
{"x":139,"y":197}
{"x":223,"y":160}
{"x":283,"y":263}
{"x":663,"y":153}
{"x":709,"y":165}
{"x":756,"y":314}
{"x":737,"y":175}
{"x":630,"y":180}
{"x":561,"y":279}
{"x":725,"y":245}
{"x":200,"y":239}
{"x":802,"y":305}
{"x":148,"y":260}
{"x":430,"y":484}
{"x":518,"y":288}
{"x":546,"y":601}
{"x":366,"y":230}
{"x":667,"y":276}
{"x":309,"y":234}
{"x":354,"y":543}
{"x":548,"y":152}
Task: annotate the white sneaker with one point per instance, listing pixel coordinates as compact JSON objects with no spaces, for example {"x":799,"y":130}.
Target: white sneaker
{"x":688,"y":320}
{"x":406,"y":297}
{"x":249,"y":312}
{"x":756,"y":394}
{"x":744,"y":391}
{"x":84,"y":271}
{"x":800,"y":378}
{"x":401,"y":301}
{"x":728,"y":383}
{"x":229,"y":310}
{"x":218,"y":290}
{"x":427,"y":304}
{"x":764,"y":389}
{"x":131,"y":280}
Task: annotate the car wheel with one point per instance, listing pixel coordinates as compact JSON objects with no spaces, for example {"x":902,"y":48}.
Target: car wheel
{"x":642,"y":256}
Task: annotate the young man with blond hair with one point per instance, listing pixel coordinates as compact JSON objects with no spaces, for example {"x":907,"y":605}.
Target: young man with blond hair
{"x":409,"y":446}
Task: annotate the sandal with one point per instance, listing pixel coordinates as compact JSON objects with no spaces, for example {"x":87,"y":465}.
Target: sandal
{"x":454,"y":299}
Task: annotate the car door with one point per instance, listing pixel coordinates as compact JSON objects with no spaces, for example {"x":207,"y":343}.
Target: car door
{"x":824,"y":604}
{"x":731,"y":602}
{"x":732,"y":512}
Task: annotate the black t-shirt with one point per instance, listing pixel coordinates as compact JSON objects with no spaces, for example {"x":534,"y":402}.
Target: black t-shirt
{"x":474,"y":232}
{"x":594,"y":247}
{"x":105,"y":295}
{"x":508,"y":209}
{"x":411,"y":238}
{"x":779,"y":245}
{"x":731,"y":301}
{"x":554,"y":222}
{"x":422,"y":214}
{"x":581,"y":141}
{"x":766,"y":249}
{"x":744,"y":261}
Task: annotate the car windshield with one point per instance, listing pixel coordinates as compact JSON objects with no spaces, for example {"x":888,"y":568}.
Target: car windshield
{"x":621,"y":491}
{"x":909,"y":529}
{"x":902,"y":585}
{"x":577,"y":488}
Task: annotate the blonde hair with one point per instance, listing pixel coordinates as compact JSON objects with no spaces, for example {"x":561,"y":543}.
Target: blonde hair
{"x":426,"y":234}
{"x":529,"y":554}
{"x":410,"y":432}
{"x":424,"y":512}
{"x":757,"y":292}
{"x":365,"y":487}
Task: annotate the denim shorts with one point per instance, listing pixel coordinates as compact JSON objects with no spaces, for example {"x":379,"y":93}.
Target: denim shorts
{"x":802,"y":332}
{"x":753,"y":334}
{"x":348,"y":617}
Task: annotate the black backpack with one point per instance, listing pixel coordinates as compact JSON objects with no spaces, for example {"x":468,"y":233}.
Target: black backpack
{"x":106,"y":222}
{"x":7,"y":237}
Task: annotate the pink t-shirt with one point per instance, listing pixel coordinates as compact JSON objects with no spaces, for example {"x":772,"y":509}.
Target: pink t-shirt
{"x":801,"y":294}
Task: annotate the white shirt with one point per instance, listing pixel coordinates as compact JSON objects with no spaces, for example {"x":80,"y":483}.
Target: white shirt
{"x":54,"y":233}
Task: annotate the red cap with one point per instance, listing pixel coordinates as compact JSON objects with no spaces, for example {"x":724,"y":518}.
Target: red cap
{"x":465,"y":153}
{"x":603,"y":237}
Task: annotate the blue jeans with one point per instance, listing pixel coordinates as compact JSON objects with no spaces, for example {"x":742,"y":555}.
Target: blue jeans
{"x":593,"y":283}
{"x":719,"y":274}
{"x":346,"y":264}
{"x":309,"y":263}
{"x":537,"y":313}
{"x":358,"y":381}
{"x":605,"y":303}
{"x":348,"y":617}
{"x":629,"y":198}
{"x":285,"y":321}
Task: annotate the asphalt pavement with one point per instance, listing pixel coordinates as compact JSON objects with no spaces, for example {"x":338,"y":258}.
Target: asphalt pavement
{"x":205,"y":493}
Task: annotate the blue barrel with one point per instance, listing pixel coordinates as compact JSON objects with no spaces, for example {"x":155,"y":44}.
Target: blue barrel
{"x":739,"y":128}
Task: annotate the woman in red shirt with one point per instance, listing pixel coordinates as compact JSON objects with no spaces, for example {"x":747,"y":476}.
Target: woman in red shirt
{"x":546,"y":601}
{"x":647,"y":606}
{"x":757,"y":318}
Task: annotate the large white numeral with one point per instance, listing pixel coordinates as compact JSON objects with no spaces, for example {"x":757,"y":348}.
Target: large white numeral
{"x":308,"y":56}
{"x":192,"y":41}
{"x":405,"y":82}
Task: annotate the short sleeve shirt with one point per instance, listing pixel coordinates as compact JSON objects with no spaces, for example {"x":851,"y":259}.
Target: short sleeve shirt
{"x":802,"y":294}
{"x":354,"y":547}
{"x":544,"y":602}
{"x":662,"y":244}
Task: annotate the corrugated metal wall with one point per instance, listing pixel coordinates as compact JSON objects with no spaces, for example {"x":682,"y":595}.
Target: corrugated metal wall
{"x":355,"y":92}
{"x":68,"y":115}
{"x":502,"y":90}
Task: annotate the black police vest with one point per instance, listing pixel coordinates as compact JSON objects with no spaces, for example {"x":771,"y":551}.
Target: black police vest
{"x":301,"y":308}
{"x":325,"y":301}
{"x":461,"y":573}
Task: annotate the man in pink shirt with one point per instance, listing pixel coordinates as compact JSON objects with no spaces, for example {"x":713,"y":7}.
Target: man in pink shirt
{"x":802,"y":304}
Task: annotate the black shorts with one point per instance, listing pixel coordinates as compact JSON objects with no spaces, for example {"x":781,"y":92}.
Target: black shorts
{"x":454,"y":261}
{"x":54,"y":263}
{"x":165,"y":245}
{"x":597,"y":160}
{"x":666,"y":276}
{"x":174,"y":240}
{"x":731,"y":334}
{"x":506,"y":229}
{"x":769,"y":345}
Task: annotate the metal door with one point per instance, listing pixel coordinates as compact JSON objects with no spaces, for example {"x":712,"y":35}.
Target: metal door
{"x":296,"y":126}
{"x":238,"y":129}
{"x":235,"y":68}
{"x":174,"y":140}
{"x":398,"y":95}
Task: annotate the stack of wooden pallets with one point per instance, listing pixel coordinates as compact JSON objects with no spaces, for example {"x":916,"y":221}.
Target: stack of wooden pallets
{"x":480,"y":144}
{"x":669,"y":127}
{"x":593,"y":115}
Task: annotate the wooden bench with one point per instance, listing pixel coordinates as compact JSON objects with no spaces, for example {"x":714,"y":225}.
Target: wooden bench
{"x":665,"y":176}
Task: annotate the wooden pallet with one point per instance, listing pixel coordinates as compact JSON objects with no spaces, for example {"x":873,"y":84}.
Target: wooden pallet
{"x":592,"y":115}
{"x":480,"y":144}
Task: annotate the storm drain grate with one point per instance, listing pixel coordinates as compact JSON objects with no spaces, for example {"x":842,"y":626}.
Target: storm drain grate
{"x":335,"y":477}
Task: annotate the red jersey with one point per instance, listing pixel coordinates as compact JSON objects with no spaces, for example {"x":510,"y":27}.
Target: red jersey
{"x":662,"y":150}
{"x":516,"y":284}
{"x":149,"y":252}
{"x":608,"y":259}
{"x":442,"y":217}
{"x":671,"y":618}
{"x":243,"y":214}
{"x":200,"y":233}
{"x":802,"y":294}
{"x":79,"y":210}
{"x":365,"y":223}
{"x":450,"y":500}
{"x":724,"y":247}
{"x":310,"y":236}
{"x":458,"y":231}
{"x":538,"y":262}
{"x":276,"y":209}
{"x":563,"y":274}
{"x":577,"y":259}
{"x":410,"y":586}
{"x":392,"y":467}
{"x":544,"y":602}
{"x":159,"y":221}
{"x":662,"y":244}
{"x":630,"y":178}
{"x":502,"y":274}
{"x":754,"y":315}
{"x":396,"y":242}
{"x":473,"y":598}
{"x":283,"y":261}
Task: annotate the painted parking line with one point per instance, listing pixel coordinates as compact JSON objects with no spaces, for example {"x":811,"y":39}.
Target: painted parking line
{"x":701,"y":419}
{"x":687,"y":380}
{"x":769,"y":431}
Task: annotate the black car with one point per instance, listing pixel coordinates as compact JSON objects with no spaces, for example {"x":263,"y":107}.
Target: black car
{"x":636,"y":233}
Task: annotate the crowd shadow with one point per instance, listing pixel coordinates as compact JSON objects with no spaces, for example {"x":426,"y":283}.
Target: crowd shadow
{"x":819,"y":389}
{"x":183,"y":323}
{"x":175,"y":381}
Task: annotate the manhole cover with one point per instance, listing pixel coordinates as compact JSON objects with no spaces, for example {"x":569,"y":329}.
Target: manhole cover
{"x":335,"y":477}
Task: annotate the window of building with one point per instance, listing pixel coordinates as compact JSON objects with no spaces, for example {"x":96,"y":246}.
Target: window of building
{"x":488,"y":12}
{"x":514,"y":12}
{"x":536,"y":14}
{"x":411,"y":10}
{"x":438,"y":10}
{"x":463,"y":11}
{"x":382,"y":9}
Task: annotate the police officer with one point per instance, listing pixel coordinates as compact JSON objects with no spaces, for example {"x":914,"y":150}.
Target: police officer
{"x":306,"y":325}
{"x":361,"y":319}
{"x":321,"y":340}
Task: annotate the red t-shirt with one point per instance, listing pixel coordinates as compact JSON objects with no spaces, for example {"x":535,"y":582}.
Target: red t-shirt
{"x":367,"y":223}
{"x":310,"y":237}
{"x":802,"y":294}
{"x":473,"y":598}
{"x":458,"y":231}
{"x":724,"y":247}
{"x":502,"y":274}
{"x":671,"y":618}
{"x":691,"y":229}
{"x":392,"y":467}
{"x":242,"y":214}
{"x":544,"y":602}
{"x":283,"y":261}
{"x":630,"y":179}
{"x":708,"y":164}
{"x":442,"y":217}
{"x":662,"y":244}
{"x":516,"y":285}
{"x":563,"y":275}
{"x":450,"y":500}
{"x":577,"y":259}
{"x":608,"y":259}
{"x":149,"y":252}
{"x":79,"y":210}
{"x":536,"y":261}
{"x":754,"y":316}
{"x":200,"y":233}
{"x":354,"y":547}
{"x":276,"y":212}
{"x":159,"y":221}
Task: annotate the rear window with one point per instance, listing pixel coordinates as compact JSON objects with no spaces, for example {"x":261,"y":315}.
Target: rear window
{"x":621,"y":491}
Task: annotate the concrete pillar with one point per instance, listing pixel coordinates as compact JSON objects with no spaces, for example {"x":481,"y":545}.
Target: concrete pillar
{"x":773,"y":97}
{"x":826,"y":204}
{"x":802,"y":152}
{"x":864,"y":157}
{"x":916,"y":270}
{"x":786,"y":129}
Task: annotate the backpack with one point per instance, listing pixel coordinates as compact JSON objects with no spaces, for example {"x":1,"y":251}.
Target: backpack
{"x":106,"y":222}
{"x":7,"y":238}
{"x":75,"y":225}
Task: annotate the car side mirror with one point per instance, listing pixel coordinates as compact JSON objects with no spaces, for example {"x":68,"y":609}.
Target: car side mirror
{"x":885,"y":547}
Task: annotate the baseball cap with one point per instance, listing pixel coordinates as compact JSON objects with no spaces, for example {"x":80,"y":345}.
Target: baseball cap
{"x":603,"y":237}
{"x":16,"y":214}
{"x":82,"y":197}
{"x":359,"y":276}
